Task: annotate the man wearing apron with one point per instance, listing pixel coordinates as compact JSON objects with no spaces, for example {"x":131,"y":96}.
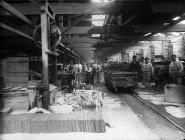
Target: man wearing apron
{"x":148,"y":71}
{"x":176,"y":71}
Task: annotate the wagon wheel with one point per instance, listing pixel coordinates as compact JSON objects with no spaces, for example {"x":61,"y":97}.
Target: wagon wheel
{"x":54,"y":36}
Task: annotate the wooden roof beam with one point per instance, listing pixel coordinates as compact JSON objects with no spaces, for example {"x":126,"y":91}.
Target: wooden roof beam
{"x":15,"y":12}
{"x":122,"y":29}
{"x":168,"y":7}
{"x":59,"y":8}
{"x":153,"y":28}
{"x":111,"y":29}
{"x":76,"y":45}
{"x":13,"y":30}
{"x":82,"y":8}
{"x":80,"y":40}
{"x":156,"y":38}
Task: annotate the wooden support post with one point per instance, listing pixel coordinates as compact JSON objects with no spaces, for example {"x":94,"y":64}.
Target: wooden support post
{"x":45,"y":46}
{"x":69,"y":23}
{"x":54,"y":70}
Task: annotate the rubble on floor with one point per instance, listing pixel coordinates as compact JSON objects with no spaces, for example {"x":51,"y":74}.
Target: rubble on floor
{"x":159,"y":99}
{"x":174,"y":111}
{"x":66,"y":102}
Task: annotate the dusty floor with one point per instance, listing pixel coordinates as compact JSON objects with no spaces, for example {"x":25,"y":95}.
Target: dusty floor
{"x":125,"y":125}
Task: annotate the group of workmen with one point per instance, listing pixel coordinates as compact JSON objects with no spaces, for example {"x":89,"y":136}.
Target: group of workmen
{"x":90,"y":73}
{"x":146,"y":71}
{"x":84,"y":73}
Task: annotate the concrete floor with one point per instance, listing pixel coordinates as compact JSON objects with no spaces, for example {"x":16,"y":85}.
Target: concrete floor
{"x":163,"y":128}
{"x":124,"y":125}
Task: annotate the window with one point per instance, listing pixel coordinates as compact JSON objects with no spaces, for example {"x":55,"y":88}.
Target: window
{"x":97,"y":20}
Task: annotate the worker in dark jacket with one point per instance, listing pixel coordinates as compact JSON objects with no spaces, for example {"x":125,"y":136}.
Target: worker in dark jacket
{"x":134,"y":65}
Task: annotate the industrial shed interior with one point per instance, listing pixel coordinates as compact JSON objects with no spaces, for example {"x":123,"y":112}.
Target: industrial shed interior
{"x":92,"y":69}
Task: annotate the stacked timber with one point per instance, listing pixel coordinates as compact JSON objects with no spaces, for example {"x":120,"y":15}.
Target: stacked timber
{"x":79,"y":100}
{"x":80,"y":121}
{"x":69,"y":115}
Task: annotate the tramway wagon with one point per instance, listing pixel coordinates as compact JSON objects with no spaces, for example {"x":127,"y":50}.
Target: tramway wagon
{"x":116,"y":79}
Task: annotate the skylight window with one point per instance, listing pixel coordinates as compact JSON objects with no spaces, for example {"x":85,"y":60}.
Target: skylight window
{"x":97,"y":20}
{"x":182,"y":22}
{"x":176,"y":18}
{"x":95,"y":35}
{"x":98,"y":1}
{"x":159,"y":34}
{"x":147,"y":34}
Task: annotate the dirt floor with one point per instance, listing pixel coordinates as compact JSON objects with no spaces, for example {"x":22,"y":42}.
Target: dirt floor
{"x":122,"y":124}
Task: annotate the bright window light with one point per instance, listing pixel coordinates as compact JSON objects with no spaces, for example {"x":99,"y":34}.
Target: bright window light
{"x":159,"y":34}
{"x":95,"y":35}
{"x":147,"y":34}
{"x":98,"y":1}
{"x":176,"y":18}
{"x":166,"y":23}
{"x":98,"y":17}
{"x":98,"y":20}
{"x":175,"y":34}
{"x":182,"y":22}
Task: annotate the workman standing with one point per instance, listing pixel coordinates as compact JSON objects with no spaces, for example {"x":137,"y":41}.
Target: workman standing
{"x":88,"y":75}
{"x":176,"y":70}
{"x":134,"y":65}
{"x":77,"y":72}
{"x":148,"y":71}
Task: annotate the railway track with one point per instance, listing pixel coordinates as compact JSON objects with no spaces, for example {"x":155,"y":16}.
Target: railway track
{"x":138,"y":105}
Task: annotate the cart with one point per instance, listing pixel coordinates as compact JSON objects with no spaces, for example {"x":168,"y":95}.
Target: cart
{"x":116,"y":79}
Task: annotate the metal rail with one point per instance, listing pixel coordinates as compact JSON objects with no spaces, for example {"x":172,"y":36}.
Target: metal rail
{"x":152,"y":108}
{"x":167,"y":118}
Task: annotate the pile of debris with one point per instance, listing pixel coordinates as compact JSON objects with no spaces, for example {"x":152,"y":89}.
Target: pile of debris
{"x":80,"y":99}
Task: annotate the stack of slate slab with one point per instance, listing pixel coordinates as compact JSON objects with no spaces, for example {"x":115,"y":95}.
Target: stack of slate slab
{"x":80,"y":121}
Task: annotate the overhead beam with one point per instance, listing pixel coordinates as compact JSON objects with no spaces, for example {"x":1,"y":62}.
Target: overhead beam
{"x":58,"y":7}
{"x":110,"y":30}
{"x":168,"y":7}
{"x":123,"y":29}
{"x":85,"y":51}
{"x":152,"y":38}
{"x":80,"y":40}
{"x":156,"y":38}
{"x":13,"y":30}
{"x":97,"y":30}
{"x":176,"y":28}
{"x":84,"y":48}
{"x":160,"y":30}
{"x":153,"y":28}
{"x":15,"y":12}
{"x":77,"y":30}
{"x":80,"y":45}
{"x":81,"y":8}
